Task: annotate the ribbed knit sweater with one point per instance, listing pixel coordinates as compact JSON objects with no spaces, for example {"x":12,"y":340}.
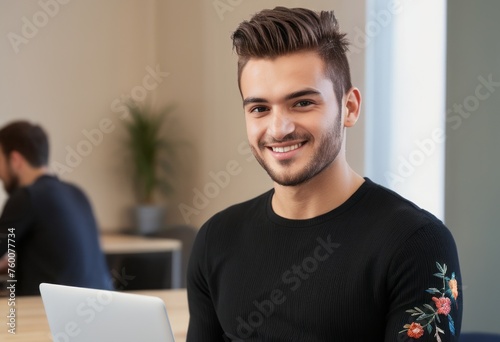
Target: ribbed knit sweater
{"x":376,"y":268}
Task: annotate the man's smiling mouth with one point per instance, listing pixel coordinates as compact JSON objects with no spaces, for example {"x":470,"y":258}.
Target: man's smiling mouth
{"x":284,"y":149}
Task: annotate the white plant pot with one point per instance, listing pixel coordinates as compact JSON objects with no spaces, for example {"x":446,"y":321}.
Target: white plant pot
{"x":149,"y":219}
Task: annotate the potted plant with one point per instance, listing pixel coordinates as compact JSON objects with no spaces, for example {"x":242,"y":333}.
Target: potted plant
{"x":151,"y":155}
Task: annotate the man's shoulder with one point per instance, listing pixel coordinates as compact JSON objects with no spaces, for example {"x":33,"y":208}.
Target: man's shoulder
{"x":48,"y":180}
{"x":48,"y":184}
{"x":387,"y":208}
{"x":49,"y":191}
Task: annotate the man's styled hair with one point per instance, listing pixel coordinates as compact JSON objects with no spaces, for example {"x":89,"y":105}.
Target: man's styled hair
{"x":29,"y":140}
{"x":280,"y":31}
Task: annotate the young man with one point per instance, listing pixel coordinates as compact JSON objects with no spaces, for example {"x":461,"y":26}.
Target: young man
{"x":47,"y":228}
{"x":326,"y":255}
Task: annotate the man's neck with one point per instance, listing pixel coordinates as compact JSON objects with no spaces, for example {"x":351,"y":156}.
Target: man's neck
{"x":321,"y":194}
{"x":31,"y":175}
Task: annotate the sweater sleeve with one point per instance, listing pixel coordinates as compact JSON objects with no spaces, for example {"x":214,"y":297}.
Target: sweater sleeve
{"x":203,"y":322}
{"x":424,"y":288}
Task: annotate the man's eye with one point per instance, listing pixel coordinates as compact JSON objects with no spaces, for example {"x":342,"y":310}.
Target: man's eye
{"x":303,"y":103}
{"x":258,"y":109}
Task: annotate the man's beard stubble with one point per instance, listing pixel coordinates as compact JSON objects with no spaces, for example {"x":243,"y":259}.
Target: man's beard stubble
{"x":329,"y":148}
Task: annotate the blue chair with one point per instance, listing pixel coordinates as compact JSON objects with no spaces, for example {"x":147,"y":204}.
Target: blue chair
{"x":479,"y":337}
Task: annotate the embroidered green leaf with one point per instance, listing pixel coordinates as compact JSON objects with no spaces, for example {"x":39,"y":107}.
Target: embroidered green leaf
{"x":439,"y":330}
{"x":451,"y":325}
{"x":440,"y":268}
{"x":429,"y":328}
{"x":411,"y":311}
{"x":433,"y":290}
{"x":439,"y":275}
{"x":424,"y":316}
{"x":429,"y":307}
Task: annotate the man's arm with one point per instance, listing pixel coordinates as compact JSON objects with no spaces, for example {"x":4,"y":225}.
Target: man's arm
{"x":425,"y":288}
{"x":15,"y":220}
{"x":203,"y":322}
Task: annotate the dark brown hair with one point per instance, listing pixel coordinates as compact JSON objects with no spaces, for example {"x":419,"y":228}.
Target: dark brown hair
{"x":280,"y":31}
{"x":27,"y":139}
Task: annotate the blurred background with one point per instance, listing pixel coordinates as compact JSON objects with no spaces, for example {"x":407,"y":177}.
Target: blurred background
{"x":429,"y":72}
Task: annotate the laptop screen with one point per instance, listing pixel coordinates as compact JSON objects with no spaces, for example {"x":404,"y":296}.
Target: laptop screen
{"x":88,"y":315}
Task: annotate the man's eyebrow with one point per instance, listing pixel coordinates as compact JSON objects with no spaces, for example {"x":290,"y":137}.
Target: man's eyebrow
{"x":291,"y":96}
{"x":254,"y":100}
{"x":301,"y":93}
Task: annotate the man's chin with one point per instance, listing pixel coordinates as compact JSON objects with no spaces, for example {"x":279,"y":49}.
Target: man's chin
{"x":289,"y":178}
{"x":291,"y":181}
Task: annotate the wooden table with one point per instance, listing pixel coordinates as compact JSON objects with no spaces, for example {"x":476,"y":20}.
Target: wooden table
{"x":32,"y":325}
{"x":124,"y":243}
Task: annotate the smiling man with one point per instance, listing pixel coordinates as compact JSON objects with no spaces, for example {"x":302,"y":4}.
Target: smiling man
{"x":326,"y":255}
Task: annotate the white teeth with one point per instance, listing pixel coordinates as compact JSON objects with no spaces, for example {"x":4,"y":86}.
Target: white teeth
{"x":286,"y":148}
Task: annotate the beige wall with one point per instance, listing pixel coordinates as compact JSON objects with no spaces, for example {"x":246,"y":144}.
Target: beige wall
{"x":84,"y":55}
{"x":67,"y":75}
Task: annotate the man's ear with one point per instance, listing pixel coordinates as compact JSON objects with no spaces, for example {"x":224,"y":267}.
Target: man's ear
{"x":352,"y":107}
{"x":16,"y":160}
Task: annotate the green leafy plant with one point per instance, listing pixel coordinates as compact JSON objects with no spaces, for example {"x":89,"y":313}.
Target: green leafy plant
{"x":152,"y":152}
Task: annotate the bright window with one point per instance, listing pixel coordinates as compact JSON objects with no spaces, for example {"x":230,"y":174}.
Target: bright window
{"x":405,"y":98}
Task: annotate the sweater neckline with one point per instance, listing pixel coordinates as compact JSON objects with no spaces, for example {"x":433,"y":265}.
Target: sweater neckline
{"x":304,"y":223}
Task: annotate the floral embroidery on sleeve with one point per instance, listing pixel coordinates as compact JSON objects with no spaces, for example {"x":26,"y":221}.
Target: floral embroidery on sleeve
{"x":428,"y":315}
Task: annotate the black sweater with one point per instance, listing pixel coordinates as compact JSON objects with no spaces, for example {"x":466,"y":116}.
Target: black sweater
{"x":352,"y":274}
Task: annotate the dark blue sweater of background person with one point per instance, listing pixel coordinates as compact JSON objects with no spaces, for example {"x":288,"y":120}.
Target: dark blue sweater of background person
{"x":51,"y":228}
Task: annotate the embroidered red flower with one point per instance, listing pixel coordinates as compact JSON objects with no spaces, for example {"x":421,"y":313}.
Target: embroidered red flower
{"x":454,"y":288}
{"x":443,"y":305}
{"x":415,"y":330}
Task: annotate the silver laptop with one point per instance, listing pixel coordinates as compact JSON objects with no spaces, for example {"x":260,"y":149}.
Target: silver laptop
{"x":87,"y":315}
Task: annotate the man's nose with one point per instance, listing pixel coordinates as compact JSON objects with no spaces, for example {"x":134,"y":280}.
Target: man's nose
{"x":281,"y":124}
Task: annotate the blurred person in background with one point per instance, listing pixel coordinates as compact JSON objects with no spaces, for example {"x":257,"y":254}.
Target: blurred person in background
{"x":48,"y":223}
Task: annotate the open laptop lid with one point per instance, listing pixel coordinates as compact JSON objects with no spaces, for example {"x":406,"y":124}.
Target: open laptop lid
{"x":87,"y":315}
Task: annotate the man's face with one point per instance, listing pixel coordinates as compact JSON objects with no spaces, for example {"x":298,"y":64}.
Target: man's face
{"x":294,"y":126}
{"x":9,"y":179}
